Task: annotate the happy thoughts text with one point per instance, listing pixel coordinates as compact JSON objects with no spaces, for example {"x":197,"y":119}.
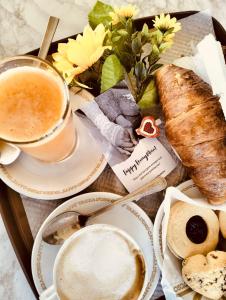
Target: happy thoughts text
{"x":139,"y":161}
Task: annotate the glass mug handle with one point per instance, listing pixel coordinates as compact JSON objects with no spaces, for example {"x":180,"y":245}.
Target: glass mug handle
{"x":49,"y":294}
{"x":8,"y":153}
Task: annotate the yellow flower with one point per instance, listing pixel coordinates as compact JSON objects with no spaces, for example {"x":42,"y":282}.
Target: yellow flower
{"x":164,"y":22}
{"x":87,"y":48}
{"x":128,"y":11}
{"x":63,"y":65}
{"x":78,"y":55}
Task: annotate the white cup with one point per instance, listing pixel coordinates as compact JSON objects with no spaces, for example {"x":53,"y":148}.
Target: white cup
{"x":51,"y":292}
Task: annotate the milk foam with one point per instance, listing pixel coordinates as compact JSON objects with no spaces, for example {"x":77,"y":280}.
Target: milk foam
{"x":99,"y":265}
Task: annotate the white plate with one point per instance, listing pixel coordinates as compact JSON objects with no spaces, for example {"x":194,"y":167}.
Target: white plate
{"x":189,"y":189}
{"x":131,"y":218}
{"x":49,"y":181}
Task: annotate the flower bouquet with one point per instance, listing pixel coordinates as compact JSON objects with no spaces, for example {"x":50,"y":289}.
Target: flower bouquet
{"x":115,"y":63}
{"x":112,"y":49}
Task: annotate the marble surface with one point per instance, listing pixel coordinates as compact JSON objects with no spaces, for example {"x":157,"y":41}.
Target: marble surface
{"x":22,"y":23}
{"x":13,"y":284}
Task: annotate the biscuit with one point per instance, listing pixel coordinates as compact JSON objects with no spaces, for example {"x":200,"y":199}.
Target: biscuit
{"x":192,"y":230}
{"x":206,"y":275}
{"x":222,"y":221}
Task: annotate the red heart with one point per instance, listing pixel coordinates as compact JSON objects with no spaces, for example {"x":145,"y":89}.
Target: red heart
{"x":148,"y":128}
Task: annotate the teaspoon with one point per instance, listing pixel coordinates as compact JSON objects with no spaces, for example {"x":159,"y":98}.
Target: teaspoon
{"x":48,"y":37}
{"x":65,"y":224}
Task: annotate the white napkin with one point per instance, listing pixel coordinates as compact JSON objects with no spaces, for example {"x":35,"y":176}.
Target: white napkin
{"x":211,"y":54}
{"x":209,"y":64}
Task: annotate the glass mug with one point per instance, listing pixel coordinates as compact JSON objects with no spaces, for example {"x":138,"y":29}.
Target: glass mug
{"x":35,"y":112}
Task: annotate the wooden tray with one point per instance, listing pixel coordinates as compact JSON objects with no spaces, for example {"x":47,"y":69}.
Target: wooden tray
{"x":11,"y":205}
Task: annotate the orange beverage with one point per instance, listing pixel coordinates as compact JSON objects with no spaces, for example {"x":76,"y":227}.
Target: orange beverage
{"x":35,"y":112}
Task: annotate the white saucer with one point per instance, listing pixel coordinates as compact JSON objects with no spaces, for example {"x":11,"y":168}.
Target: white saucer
{"x":131,"y":218}
{"x":49,"y":181}
{"x":189,"y":189}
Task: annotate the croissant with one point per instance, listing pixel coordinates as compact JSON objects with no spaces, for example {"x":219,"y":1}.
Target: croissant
{"x":196,"y":128}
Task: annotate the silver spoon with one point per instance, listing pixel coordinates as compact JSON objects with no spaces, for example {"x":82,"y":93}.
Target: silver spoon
{"x":48,"y":37}
{"x":65,"y":224}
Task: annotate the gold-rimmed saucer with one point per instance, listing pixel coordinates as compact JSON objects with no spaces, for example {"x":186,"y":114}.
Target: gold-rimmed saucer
{"x":50,"y":181}
{"x":130,"y":218}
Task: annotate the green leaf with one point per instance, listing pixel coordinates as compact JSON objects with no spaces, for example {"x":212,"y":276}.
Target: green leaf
{"x":164,"y":46}
{"x":122,"y":32}
{"x":145,"y":30}
{"x":100,"y":14}
{"x":131,"y":82}
{"x":155,"y":50}
{"x":154,"y":56}
{"x":155,"y":67}
{"x":127,"y":59}
{"x":159,"y":36}
{"x":150,"y":96}
{"x":145,"y":34}
{"x":116,"y":38}
{"x":112,"y":72}
{"x":140,"y":71}
{"x":129,"y":26}
{"x":136,"y":45}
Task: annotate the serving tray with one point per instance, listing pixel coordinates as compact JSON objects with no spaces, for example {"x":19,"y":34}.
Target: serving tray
{"x":11,"y":205}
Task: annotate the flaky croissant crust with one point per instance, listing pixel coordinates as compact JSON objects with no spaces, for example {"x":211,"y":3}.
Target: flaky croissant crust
{"x":195,"y":127}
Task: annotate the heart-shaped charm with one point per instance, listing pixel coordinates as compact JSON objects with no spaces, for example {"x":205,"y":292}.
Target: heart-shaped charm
{"x":206,"y":275}
{"x":148,"y":128}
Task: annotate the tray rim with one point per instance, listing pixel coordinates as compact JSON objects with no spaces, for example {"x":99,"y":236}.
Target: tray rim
{"x":220,"y":31}
{"x":10,"y":213}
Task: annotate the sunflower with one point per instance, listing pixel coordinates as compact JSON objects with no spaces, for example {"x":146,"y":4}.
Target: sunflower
{"x":164,"y":23}
{"x":76,"y":56}
{"x":128,"y":11}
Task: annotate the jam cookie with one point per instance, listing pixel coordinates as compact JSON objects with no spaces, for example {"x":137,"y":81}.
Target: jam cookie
{"x":206,"y":275}
{"x":191,"y":230}
{"x":222,"y":220}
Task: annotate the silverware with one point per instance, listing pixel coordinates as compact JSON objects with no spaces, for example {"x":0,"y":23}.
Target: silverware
{"x":66,"y":223}
{"x":48,"y":37}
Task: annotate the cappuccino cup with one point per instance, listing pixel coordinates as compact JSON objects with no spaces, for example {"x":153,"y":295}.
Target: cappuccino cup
{"x":98,"y":262}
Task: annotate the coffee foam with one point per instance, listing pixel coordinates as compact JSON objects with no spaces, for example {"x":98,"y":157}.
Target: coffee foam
{"x":100,"y":265}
